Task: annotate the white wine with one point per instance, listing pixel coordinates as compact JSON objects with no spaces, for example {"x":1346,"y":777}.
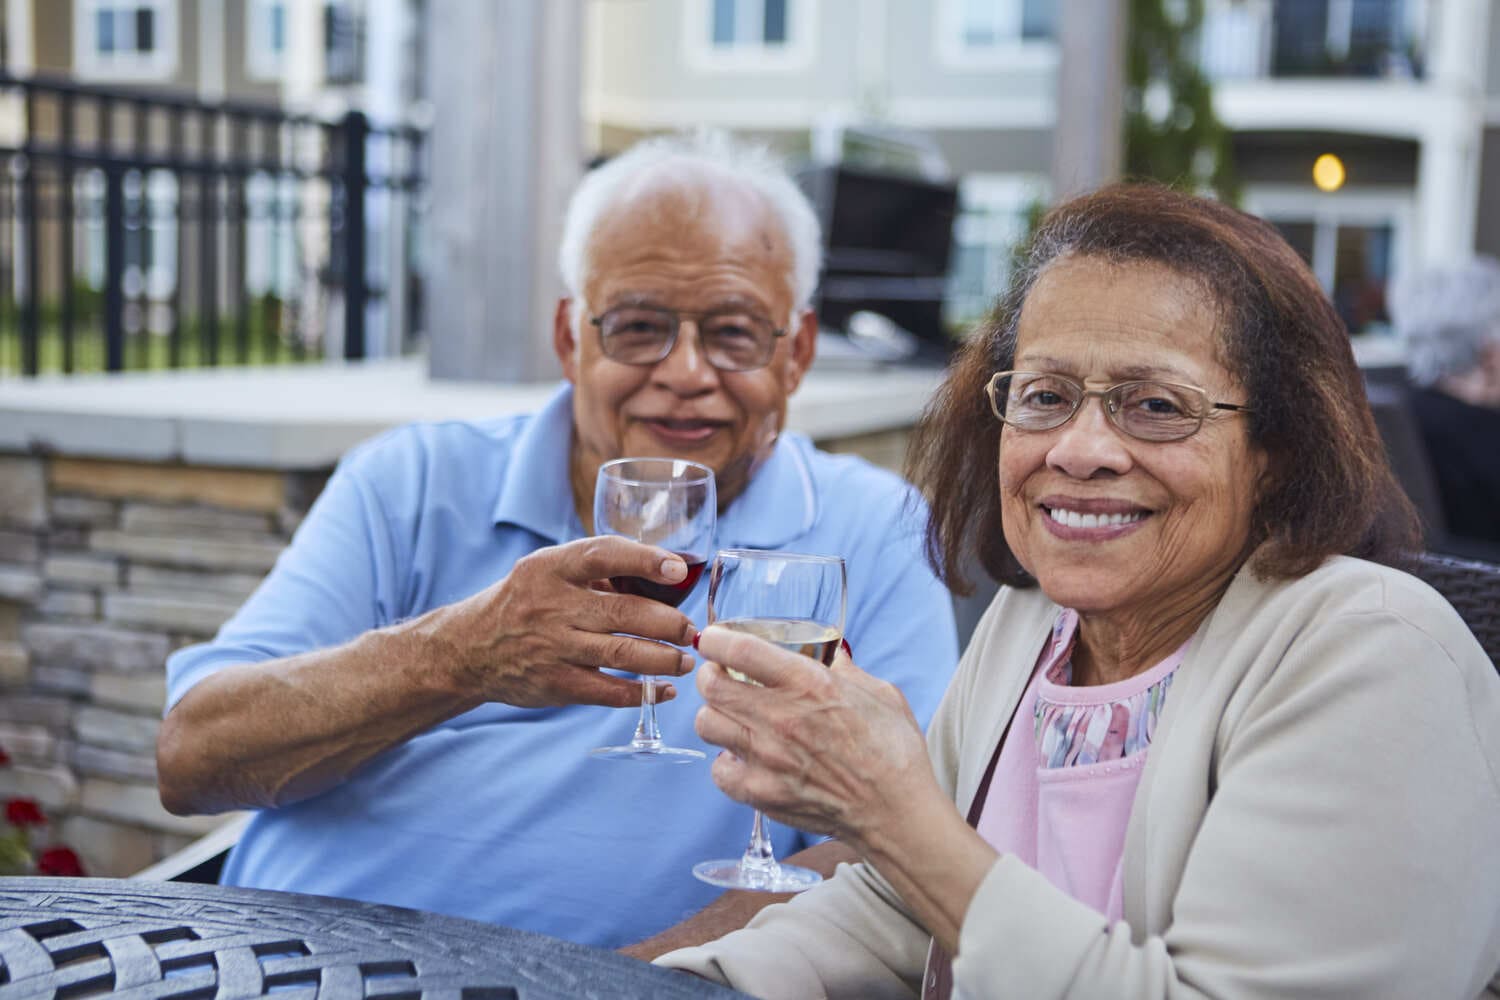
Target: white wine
{"x":798,"y":635}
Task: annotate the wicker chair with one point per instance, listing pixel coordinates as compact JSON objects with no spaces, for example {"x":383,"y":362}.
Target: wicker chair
{"x":1473,"y":588}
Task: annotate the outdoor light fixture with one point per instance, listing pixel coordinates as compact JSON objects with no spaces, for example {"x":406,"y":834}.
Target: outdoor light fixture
{"x":1328,"y":172}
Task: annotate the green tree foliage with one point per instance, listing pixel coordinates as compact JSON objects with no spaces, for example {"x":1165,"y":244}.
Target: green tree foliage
{"x":1171,"y":132}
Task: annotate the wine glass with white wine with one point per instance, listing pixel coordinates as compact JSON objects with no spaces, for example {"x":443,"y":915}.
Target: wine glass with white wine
{"x":797,"y":602}
{"x":671,"y":503}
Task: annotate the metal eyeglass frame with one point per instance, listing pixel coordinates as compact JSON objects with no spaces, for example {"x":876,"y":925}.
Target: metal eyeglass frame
{"x":677,"y":316}
{"x":1110,"y":399}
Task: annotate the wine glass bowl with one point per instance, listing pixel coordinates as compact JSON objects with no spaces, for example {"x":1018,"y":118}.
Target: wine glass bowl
{"x":797,"y":602}
{"x":671,"y":503}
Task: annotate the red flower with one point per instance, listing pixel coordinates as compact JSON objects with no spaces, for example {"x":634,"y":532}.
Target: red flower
{"x":24,"y":812}
{"x":59,"y":861}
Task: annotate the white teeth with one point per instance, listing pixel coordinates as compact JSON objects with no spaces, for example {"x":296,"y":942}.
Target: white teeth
{"x":1073,"y":519}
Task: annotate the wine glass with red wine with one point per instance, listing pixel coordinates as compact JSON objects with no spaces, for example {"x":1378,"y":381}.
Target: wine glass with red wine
{"x":796,"y":602}
{"x":670,"y":503}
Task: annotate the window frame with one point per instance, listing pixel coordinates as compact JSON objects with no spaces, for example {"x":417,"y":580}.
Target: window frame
{"x":261,"y":61}
{"x":701,"y":55}
{"x":161,"y":63}
{"x":1012,"y":52}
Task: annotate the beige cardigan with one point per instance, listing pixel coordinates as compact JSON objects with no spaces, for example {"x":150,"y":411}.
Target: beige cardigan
{"x":1319,"y":815}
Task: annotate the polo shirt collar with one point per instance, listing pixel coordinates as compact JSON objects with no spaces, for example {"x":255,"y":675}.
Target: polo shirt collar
{"x":536,"y":494}
{"x":779,"y":505}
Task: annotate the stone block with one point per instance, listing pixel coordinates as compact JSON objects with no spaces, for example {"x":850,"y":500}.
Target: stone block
{"x":143,"y":579}
{"x":257,"y":555}
{"x":101,"y":647}
{"x":20,"y":586}
{"x":68,"y":604}
{"x":24,"y":741}
{"x":177,"y":519}
{"x":107,"y":849}
{"x":91,"y":761}
{"x":237,"y":489}
{"x":37,"y":709}
{"x":53,"y":679}
{"x":15,"y":664}
{"x":138,"y":804}
{"x":23,"y":491}
{"x":20,"y":547}
{"x":199,"y":615}
{"x":115,"y":730}
{"x":82,"y":570}
{"x":53,"y":785}
{"x":87,"y":511}
{"x":143,"y":692}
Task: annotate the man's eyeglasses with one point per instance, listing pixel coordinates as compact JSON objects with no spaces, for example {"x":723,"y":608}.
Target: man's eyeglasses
{"x":732,"y":340}
{"x":1146,"y":409}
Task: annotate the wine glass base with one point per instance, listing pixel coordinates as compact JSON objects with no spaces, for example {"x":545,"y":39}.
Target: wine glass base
{"x":655,"y":755}
{"x":729,"y":873}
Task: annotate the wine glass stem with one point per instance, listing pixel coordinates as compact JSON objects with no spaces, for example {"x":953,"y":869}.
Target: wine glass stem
{"x":759,"y":856}
{"x":647,"y":732}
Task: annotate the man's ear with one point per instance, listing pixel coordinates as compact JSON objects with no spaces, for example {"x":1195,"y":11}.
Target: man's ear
{"x":564,"y":341}
{"x":804,"y":346}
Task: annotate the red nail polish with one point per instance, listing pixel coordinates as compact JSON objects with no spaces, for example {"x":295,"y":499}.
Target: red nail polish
{"x":848,"y":650}
{"x":695,"y":639}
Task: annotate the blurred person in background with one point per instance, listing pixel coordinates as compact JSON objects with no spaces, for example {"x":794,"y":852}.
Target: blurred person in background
{"x":1208,"y":740}
{"x":410,"y":697}
{"x":1450,"y":318}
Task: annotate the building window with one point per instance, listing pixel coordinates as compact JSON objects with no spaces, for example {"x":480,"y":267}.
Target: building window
{"x":125,"y":39}
{"x":1354,"y":241}
{"x":992,"y":221}
{"x":343,"y":41}
{"x":265,"y":38}
{"x":749,"y":22}
{"x":750,"y":34}
{"x":994,"y":33}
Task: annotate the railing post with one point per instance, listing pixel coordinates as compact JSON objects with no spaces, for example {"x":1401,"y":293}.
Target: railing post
{"x":31,"y":334}
{"x":114,"y":267}
{"x":354,"y":130}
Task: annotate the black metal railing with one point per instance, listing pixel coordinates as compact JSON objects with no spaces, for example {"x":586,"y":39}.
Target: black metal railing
{"x":139,"y":230}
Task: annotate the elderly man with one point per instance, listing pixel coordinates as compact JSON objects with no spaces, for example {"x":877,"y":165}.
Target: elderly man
{"x":1450,"y":318}
{"x":411,"y":696}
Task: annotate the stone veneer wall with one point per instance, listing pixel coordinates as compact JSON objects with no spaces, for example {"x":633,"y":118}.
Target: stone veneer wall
{"x":105,"y":568}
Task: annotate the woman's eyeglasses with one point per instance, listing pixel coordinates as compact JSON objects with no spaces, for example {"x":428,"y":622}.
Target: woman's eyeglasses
{"x":1144,"y":409}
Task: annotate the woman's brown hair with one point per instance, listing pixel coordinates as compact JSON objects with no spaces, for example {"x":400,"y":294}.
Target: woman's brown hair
{"x":1328,"y":489}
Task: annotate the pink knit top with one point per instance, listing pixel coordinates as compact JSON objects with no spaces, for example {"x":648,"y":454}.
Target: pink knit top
{"x":1062,"y":790}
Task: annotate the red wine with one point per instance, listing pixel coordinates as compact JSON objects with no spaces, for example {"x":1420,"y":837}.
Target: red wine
{"x":667,"y":593}
{"x":799,"y":635}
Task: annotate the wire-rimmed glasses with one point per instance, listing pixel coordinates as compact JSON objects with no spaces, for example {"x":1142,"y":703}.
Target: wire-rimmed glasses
{"x":671,"y":503}
{"x":732,"y":340}
{"x":1148,"y":409}
{"x":796,"y":602}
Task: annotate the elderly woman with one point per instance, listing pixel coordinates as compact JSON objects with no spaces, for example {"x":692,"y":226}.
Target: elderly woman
{"x":1450,"y":319}
{"x":1206,"y":741}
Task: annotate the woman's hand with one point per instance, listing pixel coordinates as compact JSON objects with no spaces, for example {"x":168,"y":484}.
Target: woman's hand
{"x":828,"y":750}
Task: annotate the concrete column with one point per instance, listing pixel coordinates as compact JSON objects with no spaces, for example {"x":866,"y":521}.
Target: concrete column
{"x":1450,"y":144}
{"x":1088,"y":139}
{"x":505,"y":82}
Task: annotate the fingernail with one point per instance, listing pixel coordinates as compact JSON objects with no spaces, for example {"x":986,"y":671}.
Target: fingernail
{"x":696,"y":637}
{"x":674,"y":568}
{"x":686,"y":664}
{"x":848,"y":650}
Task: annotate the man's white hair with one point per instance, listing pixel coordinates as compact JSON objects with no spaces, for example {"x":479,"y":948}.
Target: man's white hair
{"x":705,"y":153}
{"x":1448,"y":316}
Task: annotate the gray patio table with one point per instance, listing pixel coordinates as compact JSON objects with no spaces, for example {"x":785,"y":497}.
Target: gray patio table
{"x":63,"y":937}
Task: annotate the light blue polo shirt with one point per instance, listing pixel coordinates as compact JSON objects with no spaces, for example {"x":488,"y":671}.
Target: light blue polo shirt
{"x":500,"y":814}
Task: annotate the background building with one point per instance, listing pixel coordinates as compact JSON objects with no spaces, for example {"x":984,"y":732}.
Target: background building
{"x":1405,"y":92}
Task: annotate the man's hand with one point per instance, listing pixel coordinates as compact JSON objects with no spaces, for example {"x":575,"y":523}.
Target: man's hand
{"x":539,"y":636}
